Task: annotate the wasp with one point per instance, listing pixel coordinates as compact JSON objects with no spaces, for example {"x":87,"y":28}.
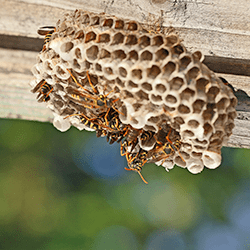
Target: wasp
{"x":131,"y":139}
{"x":136,"y":161}
{"x":147,"y":135}
{"x":93,"y":100}
{"x":46,"y":31}
{"x":44,"y":89}
{"x":162,"y":151}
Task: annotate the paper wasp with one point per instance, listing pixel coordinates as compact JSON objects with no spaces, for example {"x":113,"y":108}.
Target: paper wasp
{"x":44,"y":89}
{"x":46,"y":31}
{"x":162,"y":151}
{"x":146,"y":135}
{"x":136,"y":161}
{"x":131,"y":139}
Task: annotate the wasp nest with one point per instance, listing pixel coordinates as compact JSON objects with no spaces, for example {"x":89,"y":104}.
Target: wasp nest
{"x":97,"y":66}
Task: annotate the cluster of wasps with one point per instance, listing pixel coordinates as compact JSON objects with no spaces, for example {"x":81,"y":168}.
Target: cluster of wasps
{"x":103,"y":116}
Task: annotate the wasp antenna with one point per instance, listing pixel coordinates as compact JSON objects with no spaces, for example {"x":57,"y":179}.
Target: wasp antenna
{"x":90,"y":83}
{"x":70,"y":116}
{"x":117,"y":111}
{"x":142,"y":177}
{"x":129,"y":169}
{"x":78,"y":82}
{"x":167,"y":137}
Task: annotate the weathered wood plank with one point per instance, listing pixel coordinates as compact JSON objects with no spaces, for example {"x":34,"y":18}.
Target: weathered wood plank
{"x":217,"y":28}
{"x":16,"y":100}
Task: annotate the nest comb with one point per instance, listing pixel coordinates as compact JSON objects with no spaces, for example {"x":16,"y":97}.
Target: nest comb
{"x":158,"y":86}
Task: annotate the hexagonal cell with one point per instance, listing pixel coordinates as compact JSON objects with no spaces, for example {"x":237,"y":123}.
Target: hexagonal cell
{"x":85,"y":19}
{"x":193,"y":124}
{"x":223,"y":103}
{"x":187,"y":134}
{"x":132,"y":56}
{"x":131,"y":40}
{"x":201,"y":142}
{"x":161,"y":54}
{"x":153,"y":72}
{"x":229,"y":128}
{"x":108,"y":70}
{"x":212,"y":93}
{"x":187,"y":94}
{"x":120,"y":82}
{"x":131,"y":25}
{"x":184,"y":62}
{"x":122,"y":72}
{"x":193,"y":73}
{"x":103,"y":38}
{"x":94,"y":20}
{"x":76,"y":65}
{"x":70,"y":31}
{"x":170,"y":99}
{"x":208,"y":129}
{"x":137,"y":74}
{"x":220,"y":121}
{"x":48,"y":66}
{"x":146,"y":86}
{"x":61,"y":73}
{"x":142,"y":95}
{"x":118,"y":38}
{"x":146,"y":56}
{"x":66,"y":47}
{"x":119,"y":24}
{"x":78,"y":53}
{"x":108,"y":22}
{"x":103,"y":54}
{"x":196,"y":154}
{"x":179,"y":120}
{"x":201,"y":84}
{"x":176,"y":83}
{"x":177,"y":50}
{"x":144,"y":41}
{"x":209,"y":112}
{"x":98,"y":67}
{"x":211,"y":159}
{"x":137,"y":106}
{"x":195,"y":166}
{"x":154,"y":119}
{"x":118,"y":55}
{"x":198,"y":106}
{"x":157,"y":41}
{"x":197,"y":55}
{"x":92,"y":53}
{"x":155,"y":98}
{"x":183,"y":109}
{"x":90,"y":36}
{"x":168,"y":69}
{"x":131,"y":85}
{"x":171,"y":40}
{"x":160,"y":88}
{"x":126,"y":94}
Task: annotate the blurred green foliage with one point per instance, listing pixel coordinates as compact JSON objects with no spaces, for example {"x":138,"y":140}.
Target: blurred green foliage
{"x":47,"y":202}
